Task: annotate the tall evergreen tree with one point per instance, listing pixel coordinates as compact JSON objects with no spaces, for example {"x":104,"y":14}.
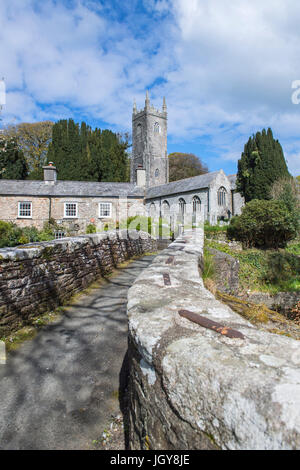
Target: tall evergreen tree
{"x":12,"y":161}
{"x":83,"y":154}
{"x":261,"y":164}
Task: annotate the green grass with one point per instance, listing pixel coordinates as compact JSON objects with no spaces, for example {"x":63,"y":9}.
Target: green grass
{"x":209,"y":265}
{"x":265,"y":270}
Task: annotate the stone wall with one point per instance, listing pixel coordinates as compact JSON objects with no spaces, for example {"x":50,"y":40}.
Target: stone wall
{"x":222,"y":385}
{"x":36,"y":278}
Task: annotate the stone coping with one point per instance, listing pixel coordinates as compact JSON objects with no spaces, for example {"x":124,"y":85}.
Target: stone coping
{"x":242,"y":393}
{"x":34,"y":250}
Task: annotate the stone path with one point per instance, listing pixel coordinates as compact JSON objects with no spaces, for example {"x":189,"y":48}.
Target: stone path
{"x":59,"y":390}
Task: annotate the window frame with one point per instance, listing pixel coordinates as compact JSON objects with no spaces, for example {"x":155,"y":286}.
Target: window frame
{"x":65,"y":210}
{"x":156,"y":128}
{"x":19,"y":208}
{"x":221,"y":196}
{"x":196,"y":205}
{"x":110,"y":210}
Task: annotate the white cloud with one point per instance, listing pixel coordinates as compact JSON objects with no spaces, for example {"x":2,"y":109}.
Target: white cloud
{"x":228,"y":67}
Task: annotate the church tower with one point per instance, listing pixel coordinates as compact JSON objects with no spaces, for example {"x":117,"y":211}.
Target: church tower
{"x":149,"y":144}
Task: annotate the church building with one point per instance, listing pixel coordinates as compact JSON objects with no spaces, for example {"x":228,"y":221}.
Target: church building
{"x":76,"y":204}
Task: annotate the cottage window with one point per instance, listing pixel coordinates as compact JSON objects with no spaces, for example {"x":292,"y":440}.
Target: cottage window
{"x":25,"y":210}
{"x":71,"y":209}
{"x":59,"y":234}
{"x":104,"y":209}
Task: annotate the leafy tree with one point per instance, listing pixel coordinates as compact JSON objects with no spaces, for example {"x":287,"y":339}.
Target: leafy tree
{"x":33,"y":139}
{"x":261,"y":164}
{"x":12,"y":162}
{"x":264,"y":224}
{"x":185,"y":165}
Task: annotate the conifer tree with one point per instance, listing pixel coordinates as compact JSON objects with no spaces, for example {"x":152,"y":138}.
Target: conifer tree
{"x":83,"y":154}
{"x":261,"y":164}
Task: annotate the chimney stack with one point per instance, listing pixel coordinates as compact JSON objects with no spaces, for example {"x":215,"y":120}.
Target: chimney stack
{"x":50,"y":173}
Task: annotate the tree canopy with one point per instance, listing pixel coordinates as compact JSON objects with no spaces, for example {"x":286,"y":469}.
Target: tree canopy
{"x":12,"y":161}
{"x":33,"y":140}
{"x":83,"y":154}
{"x":185,"y":165}
{"x":260,"y":165}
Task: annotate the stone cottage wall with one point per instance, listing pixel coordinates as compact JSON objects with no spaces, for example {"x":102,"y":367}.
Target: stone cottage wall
{"x":220,"y":383}
{"x":44,"y":208}
{"x":36,"y":278}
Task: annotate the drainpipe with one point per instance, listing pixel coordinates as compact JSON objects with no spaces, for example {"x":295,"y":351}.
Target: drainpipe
{"x":50,"y":207}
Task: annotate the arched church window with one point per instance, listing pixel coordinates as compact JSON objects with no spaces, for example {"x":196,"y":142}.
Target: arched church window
{"x":156,"y":128}
{"x":181,"y":207}
{"x":156,"y":173}
{"x":222,"y":196}
{"x":196,"y":205}
{"x":139,"y":130}
{"x":165,"y":209}
{"x":152,"y":210}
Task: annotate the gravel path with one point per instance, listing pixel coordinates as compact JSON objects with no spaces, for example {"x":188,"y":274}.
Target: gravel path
{"x":61,"y":390}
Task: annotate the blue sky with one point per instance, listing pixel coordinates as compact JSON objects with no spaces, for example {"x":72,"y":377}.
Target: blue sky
{"x":226,"y":68}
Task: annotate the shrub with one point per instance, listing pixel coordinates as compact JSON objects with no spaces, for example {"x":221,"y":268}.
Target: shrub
{"x":9,"y":234}
{"x":264,"y":224}
{"x":12,"y":235}
{"x":31,"y":233}
{"x":282,"y":266}
{"x":91,"y":228}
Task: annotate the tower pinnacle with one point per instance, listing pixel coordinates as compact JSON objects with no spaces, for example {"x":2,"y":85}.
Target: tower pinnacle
{"x":147,"y":101}
{"x":164,"y":107}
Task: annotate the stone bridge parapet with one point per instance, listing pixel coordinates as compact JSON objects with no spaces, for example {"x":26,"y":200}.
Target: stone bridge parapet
{"x":38,"y":277}
{"x":216,"y":382}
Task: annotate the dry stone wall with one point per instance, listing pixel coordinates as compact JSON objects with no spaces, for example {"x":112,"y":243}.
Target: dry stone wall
{"x":220,"y":384}
{"x":39,"y":277}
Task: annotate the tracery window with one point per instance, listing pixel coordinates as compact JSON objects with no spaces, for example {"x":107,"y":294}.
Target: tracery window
{"x":181,"y":207}
{"x":156,"y":128}
{"x":222,"y":196}
{"x":165,"y":209}
{"x":196,"y":205}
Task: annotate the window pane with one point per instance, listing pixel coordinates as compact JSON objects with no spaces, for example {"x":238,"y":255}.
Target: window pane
{"x":25,"y":209}
{"x":71,"y":209}
{"x":105,"y":209}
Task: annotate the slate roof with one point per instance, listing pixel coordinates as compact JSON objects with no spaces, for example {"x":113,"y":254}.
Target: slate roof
{"x":182,"y":186}
{"x":69,"y":189}
{"x":232,"y":179}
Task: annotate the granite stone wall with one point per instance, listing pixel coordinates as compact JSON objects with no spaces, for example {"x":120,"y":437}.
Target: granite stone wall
{"x":38,"y":277}
{"x":200,"y":375}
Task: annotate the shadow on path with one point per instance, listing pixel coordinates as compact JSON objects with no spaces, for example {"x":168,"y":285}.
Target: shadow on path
{"x":59,"y":390}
